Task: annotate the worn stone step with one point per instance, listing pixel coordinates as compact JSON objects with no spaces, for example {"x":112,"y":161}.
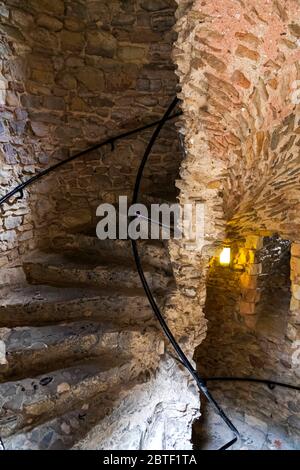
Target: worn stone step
{"x":38,"y":305}
{"x":34,"y":350}
{"x":62,"y":270}
{"x":153,"y":253}
{"x":65,"y":431}
{"x":27,"y":403}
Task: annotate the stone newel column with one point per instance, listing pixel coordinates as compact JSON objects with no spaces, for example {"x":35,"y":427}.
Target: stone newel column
{"x":249,"y":292}
{"x":293,"y":327}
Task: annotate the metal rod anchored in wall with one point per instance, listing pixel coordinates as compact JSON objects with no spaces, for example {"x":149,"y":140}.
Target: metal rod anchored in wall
{"x":181,"y":355}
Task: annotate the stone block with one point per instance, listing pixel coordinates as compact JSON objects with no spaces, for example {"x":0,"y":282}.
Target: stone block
{"x":3,"y":359}
{"x":155,"y":5}
{"x":119,"y":82}
{"x":54,"y":103}
{"x":247,"y":308}
{"x":12,"y":99}
{"x":48,"y":22}
{"x":31,"y":101}
{"x":239,"y":79}
{"x":291,"y":332}
{"x":45,"y":77}
{"x":77,"y":218}
{"x":40,"y":129}
{"x":101,"y":43}
{"x":254,"y":242}
{"x":72,"y":41}
{"x":251,"y":321}
{"x":296,"y":291}
{"x":295,"y":265}
{"x":248,"y":282}
{"x":254,"y":269}
{"x":250,"y":295}
{"x":12,"y":276}
{"x":10,"y":154}
{"x":12,"y":33}
{"x":143,"y":84}
{"x":123,"y":20}
{"x":91,"y":78}
{"x":161,"y":22}
{"x":77,"y":104}
{"x":132,"y":53}
{"x":295,"y":250}
{"x":294,"y":304}
{"x":66,"y":80}
{"x":4,"y":11}
{"x":12,"y":222}
{"x":50,"y":6}
{"x":74,"y":24}
{"x":295,"y":30}
{"x":245,"y":52}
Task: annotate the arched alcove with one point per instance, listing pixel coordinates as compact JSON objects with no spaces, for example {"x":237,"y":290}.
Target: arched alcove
{"x":249,"y":335}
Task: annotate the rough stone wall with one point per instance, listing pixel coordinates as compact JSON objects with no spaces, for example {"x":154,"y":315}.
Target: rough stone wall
{"x":264,"y":347}
{"x":73,"y":73}
{"x":238,"y":67}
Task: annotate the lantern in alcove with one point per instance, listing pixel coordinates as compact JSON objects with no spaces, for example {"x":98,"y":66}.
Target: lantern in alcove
{"x":225,"y":256}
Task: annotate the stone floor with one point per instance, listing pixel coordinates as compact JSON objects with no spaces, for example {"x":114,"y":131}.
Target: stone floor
{"x":257,"y":432}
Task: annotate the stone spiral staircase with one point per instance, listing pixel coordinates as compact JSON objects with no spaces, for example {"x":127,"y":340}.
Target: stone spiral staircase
{"x":79,"y":337}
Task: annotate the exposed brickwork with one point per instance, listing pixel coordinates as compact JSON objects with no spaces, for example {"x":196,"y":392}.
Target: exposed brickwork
{"x":240,"y":119}
{"x":261,"y":343}
{"x":238,"y":69}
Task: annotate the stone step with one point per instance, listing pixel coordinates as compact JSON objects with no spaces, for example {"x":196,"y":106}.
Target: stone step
{"x":59,"y":270}
{"x":34,"y":350}
{"x":27,"y":403}
{"x":159,"y":197}
{"x":152,"y":253}
{"x":40,"y":305}
{"x":67,"y":430}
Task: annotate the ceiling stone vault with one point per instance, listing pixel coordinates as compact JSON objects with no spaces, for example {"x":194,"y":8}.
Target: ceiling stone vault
{"x":238,"y":67}
{"x":238,"y":64}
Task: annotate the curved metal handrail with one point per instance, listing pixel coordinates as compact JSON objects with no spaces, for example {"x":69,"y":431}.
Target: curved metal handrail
{"x":270,"y":383}
{"x":182,"y":357}
{"x":109,"y":141}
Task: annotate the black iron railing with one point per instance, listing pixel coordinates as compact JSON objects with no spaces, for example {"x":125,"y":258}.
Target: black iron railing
{"x":181,"y":357}
{"x":109,"y":141}
{"x":270,"y":383}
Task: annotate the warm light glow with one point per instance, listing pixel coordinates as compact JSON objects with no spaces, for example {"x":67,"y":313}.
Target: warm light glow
{"x":225,"y":256}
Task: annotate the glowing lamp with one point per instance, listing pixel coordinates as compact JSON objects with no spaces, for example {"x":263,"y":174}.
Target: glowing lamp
{"x":225,"y":256}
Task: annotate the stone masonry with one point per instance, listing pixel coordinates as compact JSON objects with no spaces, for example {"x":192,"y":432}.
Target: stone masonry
{"x":82,"y":361}
{"x":72,"y":74}
{"x":238,"y":67}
